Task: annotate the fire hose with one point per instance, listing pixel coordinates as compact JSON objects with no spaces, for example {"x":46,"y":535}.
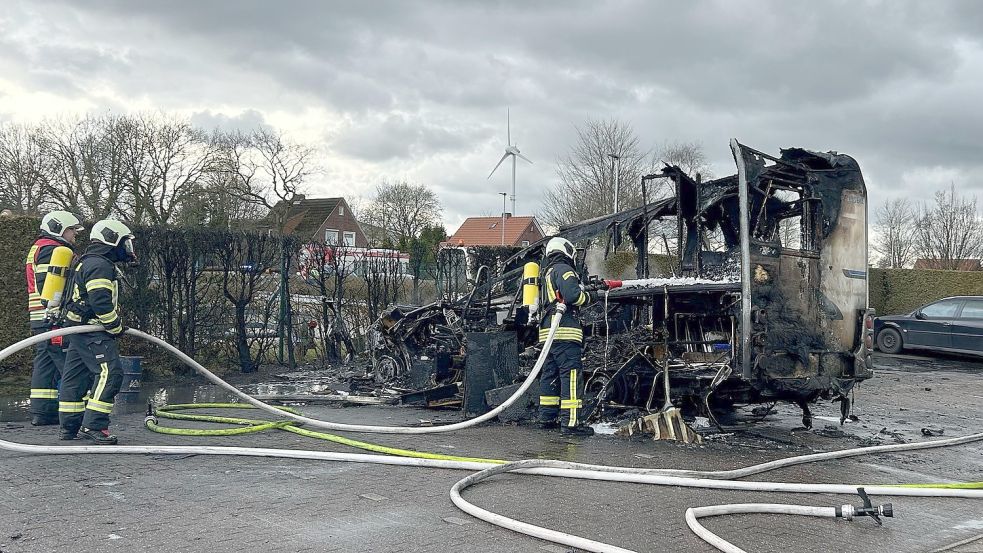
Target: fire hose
{"x":213,"y":378}
{"x":660,"y":477}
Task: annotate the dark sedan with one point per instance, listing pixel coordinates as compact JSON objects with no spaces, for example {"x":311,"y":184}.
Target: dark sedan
{"x":951,"y":324}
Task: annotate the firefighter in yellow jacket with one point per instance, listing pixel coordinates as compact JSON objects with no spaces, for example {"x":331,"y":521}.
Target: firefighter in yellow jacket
{"x":561,"y":380}
{"x":94,"y":356}
{"x":58,"y":229}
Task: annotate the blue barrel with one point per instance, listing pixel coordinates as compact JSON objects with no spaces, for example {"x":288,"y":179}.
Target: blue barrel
{"x":129,"y":391}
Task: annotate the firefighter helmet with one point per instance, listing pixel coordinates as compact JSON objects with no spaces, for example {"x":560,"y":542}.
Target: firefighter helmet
{"x":558,"y":245}
{"x":110,"y":232}
{"x":57,"y":222}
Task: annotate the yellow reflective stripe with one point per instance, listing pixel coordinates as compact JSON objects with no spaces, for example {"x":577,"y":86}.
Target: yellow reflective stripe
{"x":571,"y":403}
{"x":550,"y":291}
{"x":568,"y":274}
{"x":37,"y":315}
{"x":581,"y":299}
{"x":71,"y":406}
{"x":73,"y":317}
{"x":101,"y":385}
{"x":549,"y":401}
{"x":573,"y":398}
{"x":41,"y":267}
{"x":564,"y":334}
{"x":99,"y":406}
{"x":108,"y":317}
{"x":44,"y":393}
{"x":98,"y":283}
{"x":30,"y":255}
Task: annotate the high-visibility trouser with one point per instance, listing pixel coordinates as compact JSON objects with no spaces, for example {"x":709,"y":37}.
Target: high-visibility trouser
{"x":91,"y":366}
{"x":561,"y":385}
{"x":49,"y":358}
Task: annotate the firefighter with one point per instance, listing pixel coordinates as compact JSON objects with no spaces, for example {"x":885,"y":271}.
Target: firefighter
{"x":561,"y":381}
{"x":94,"y":356}
{"x":58,"y":229}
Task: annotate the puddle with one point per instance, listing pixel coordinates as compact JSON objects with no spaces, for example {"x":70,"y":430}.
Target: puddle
{"x":605,"y":428}
{"x":15,"y":407}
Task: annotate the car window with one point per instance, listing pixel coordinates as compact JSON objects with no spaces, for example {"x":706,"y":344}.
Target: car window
{"x":972,"y":310}
{"x":941,"y":310}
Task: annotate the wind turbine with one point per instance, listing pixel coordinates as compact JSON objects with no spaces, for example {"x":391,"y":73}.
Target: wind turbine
{"x":510,"y":150}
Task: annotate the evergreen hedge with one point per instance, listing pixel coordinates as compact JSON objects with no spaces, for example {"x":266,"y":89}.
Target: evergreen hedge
{"x":897,"y":291}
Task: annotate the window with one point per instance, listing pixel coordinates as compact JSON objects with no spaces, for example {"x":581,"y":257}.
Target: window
{"x":525,"y":243}
{"x":341,"y":210}
{"x":944,"y":309}
{"x":331,"y":236}
{"x":972,"y":310}
{"x":350,"y":239}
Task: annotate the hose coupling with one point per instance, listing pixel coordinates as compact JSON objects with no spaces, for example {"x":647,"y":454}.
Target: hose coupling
{"x":149,"y":419}
{"x":866,"y":510}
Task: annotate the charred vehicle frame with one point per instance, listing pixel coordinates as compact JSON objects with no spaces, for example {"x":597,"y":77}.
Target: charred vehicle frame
{"x":768,"y":300}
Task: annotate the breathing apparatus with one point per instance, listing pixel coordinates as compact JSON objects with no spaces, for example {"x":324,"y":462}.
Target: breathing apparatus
{"x":56,"y":224}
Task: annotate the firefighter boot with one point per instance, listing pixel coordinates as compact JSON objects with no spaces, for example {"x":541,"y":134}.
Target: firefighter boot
{"x":577,"y":431}
{"x":68,"y":434}
{"x":100,"y":437}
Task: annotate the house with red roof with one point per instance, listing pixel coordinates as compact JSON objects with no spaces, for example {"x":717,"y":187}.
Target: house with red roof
{"x":519,"y":231}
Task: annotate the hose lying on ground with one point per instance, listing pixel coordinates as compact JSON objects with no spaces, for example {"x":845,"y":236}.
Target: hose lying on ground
{"x":693,"y":514}
{"x":555,"y":323}
{"x":537,"y":467}
{"x":248,"y":426}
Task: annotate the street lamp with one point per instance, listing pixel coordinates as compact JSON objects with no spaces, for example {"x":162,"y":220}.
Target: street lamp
{"x":616,"y":177}
{"x":504,"y":195}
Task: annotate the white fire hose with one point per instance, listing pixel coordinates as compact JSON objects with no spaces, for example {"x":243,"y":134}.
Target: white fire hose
{"x":316,"y":423}
{"x":659,"y":477}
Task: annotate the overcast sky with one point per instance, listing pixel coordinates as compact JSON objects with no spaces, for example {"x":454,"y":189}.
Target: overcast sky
{"x":419,"y":90}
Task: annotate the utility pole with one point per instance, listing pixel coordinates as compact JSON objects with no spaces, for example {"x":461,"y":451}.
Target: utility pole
{"x":616,"y":177}
{"x":504,"y":196}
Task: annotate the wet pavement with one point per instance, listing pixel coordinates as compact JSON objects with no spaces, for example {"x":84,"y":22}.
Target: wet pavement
{"x":199,"y":503}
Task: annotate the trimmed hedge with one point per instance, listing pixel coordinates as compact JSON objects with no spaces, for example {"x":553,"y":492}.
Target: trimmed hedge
{"x":16,"y":236}
{"x":896,"y":291}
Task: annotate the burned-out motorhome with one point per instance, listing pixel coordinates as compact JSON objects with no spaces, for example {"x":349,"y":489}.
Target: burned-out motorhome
{"x":766,"y":300}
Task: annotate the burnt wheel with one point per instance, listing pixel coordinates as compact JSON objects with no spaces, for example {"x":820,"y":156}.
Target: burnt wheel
{"x":889,"y":341}
{"x":387,"y":368}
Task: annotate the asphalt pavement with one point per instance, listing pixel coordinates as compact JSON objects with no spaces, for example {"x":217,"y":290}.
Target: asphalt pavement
{"x":200,"y":503}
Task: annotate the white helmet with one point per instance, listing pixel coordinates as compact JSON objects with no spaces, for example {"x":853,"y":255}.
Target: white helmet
{"x":110,"y":232}
{"x":57,"y":222}
{"x":560,"y":245}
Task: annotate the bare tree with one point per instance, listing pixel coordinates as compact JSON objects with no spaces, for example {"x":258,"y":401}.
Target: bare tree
{"x":244,"y":260}
{"x":229,"y":183}
{"x":897,"y":231}
{"x":403,"y":210}
{"x":167,"y":161}
{"x":23,"y":173}
{"x":327,"y":267}
{"x":268,"y":170}
{"x":586,"y":187}
{"x":949,"y":231}
{"x":688,"y":156}
{"x":87,"y":164}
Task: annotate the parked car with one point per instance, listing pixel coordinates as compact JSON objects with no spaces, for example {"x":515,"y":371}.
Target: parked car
{"x":951,"y":324}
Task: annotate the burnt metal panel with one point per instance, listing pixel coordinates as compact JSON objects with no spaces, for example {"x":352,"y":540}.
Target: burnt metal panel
{"x":492,"y":362}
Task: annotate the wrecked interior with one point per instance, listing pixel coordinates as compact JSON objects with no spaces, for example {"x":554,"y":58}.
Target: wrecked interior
{"x":765,"y":300}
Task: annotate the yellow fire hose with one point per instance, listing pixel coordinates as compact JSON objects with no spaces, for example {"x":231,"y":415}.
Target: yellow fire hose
{"x":248,"y":426}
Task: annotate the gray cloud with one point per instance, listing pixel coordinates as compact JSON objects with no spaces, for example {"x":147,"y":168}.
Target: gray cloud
{"x":420,"y":89}
{"x":249,"y":120}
